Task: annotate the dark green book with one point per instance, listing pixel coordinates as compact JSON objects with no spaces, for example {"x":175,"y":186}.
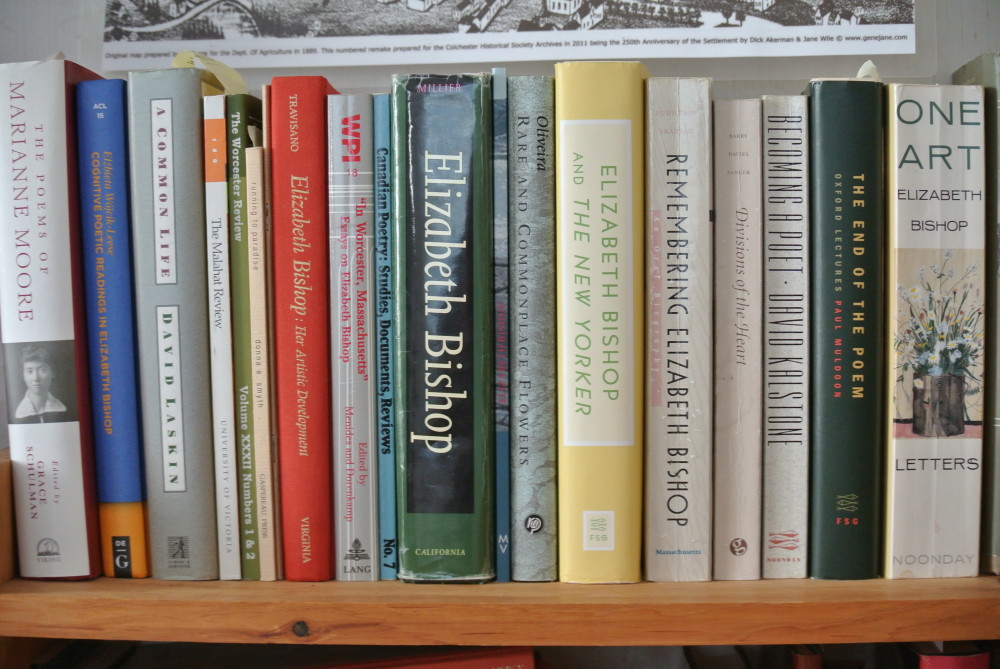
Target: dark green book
{"x":444,"y":307}
{"x":243,"y":125}
{"x":847,"y":316}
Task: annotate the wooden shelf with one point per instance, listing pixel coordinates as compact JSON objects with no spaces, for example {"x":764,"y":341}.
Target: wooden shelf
{"x":549,"y":614}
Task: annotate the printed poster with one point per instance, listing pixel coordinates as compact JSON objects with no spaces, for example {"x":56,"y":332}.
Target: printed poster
{"x":324,"y":33}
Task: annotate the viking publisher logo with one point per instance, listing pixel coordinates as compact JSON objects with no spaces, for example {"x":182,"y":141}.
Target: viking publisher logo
{"x":47,"y":550}
{"x":121,"y":552}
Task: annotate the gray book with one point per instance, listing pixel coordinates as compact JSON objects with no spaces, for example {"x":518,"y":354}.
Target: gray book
{"x":786,"y":337}
{"x":985,"y":71}
{"x":352,"y":228}
{"x":531,"y":211}
{"x":678,"y":513}
{"x":169,"y":253}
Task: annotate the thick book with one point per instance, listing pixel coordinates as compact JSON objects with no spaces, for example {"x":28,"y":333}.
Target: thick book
{"x":42,"y":312}
{"x":531,"y":247}
{"x":738,"y":347}
{"x":170,"y":251}
{"x":785,"y":482}
{"x":102,"y":140}
{"x":985,"y":71}
{"x":679,"y":281}
{"x":384,"y":339}
{"x":243,"y":127}
{"x":228,"y":507}
{"x":599,"y":318}
{"x":847,"y":319}
{"x":444,"y":298}
{"x":501,"y":326}
{"x":352,"y":218}
{"x":265,"y":456}
{"x":936,"y":186}
{"x":300,"y":250}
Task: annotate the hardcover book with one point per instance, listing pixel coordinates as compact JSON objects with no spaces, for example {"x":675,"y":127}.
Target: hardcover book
{"x":738,"y":305}
{"x":444,"y":298}
{"x":501,"y":325}
{"x":679,"y":370}
{"x":229,"y":509}
{"x":599,"y":323}
{"x":352,"y":218}
{"x":531,"y":247}
{"x":786,"y":336}
{"x":172,"y":318}
{"x":242,"y":126}
{"x":936,"y":236}
{"x":101,"y":110}
{"x":44,"y":336}
{"x":297,"y":145}
{"x":259,"y":281}
{"x":385,"y":417}
{"x":847,"y":307}
{"x":985,"y":71}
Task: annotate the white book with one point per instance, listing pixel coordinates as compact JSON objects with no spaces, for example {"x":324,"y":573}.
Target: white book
{"x":678,"y":514}
{"x":221,"y":338}
{"x":738,"y":306}
{"x":44,"y":337}
{"x":352,"y":260}
{"x":936,"y":179}
{"x":786,"y":340}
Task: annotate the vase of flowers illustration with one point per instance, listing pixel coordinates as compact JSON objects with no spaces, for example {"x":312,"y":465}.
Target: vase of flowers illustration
{"x":939,"y":340}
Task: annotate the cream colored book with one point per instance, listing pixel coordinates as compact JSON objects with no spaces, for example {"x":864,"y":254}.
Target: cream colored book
{"x":265,"y":480}
{"x":739,"y":308}
{"x":599,"y":306}
{"x":936,"y":284}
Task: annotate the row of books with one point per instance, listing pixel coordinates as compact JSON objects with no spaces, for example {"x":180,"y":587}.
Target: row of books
{"x":485,"y":327}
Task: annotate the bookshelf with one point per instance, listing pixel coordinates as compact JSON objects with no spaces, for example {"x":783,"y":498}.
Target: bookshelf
{"x":551,"y":614}
{"x":539,"y":614}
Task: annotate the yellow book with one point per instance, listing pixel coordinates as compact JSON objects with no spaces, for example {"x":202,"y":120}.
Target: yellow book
{"x":123,"y":538}
{"x":599,"y":351}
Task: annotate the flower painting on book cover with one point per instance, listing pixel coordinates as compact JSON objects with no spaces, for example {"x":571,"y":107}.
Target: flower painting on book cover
{"x":938,"y":344}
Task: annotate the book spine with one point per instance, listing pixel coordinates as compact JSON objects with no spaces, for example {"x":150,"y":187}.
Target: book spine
{"x":501,"y":325}
{"x":985,"y":71}
{"x":352,"y":219}
{"x":384,"y":338}
{"x":532,"y":209}
{"x":42,"y":311}
{"x":739,"y":303}
{"x":936,"y":180}
{"x":229,"y":508}
{"x":107,"y":271}
{"x":847,"y":372}
{"x":297,"y":143}
{"x":600,"y":325}
{"x":242,"y":118}
{"x":445,"y":446}
{"x":678,"y":516}
{"x":786,"y":336}
{"x":171,"y":274}
{"x":261,"y":381}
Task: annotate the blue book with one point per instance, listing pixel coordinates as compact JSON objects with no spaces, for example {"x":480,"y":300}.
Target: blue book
{"x":501,"y":323}
{"x":385,"y":421}
{"x":102,"y":144}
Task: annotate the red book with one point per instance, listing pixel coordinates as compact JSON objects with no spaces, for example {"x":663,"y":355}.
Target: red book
{"x":948,"y":655}
{"x":297,"y":140}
